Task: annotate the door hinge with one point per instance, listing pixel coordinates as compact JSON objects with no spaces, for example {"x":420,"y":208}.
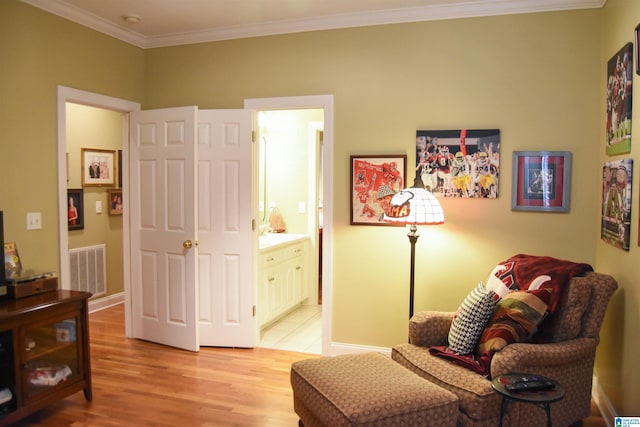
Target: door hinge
{"x":253,"y":225}
{"x":253,"y":136}
{"x":254,"y":311}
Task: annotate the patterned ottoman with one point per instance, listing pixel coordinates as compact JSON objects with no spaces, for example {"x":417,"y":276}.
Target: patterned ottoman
{"x":367,"y":389}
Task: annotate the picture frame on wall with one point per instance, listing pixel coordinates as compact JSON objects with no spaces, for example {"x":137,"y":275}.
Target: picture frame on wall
{"x":618,"y":102}
{"x":98,"y":167}
{"x":637,"y":38}
{"x":75,"y":209}
{"x":115,"y":202}
{"x":459,"y":162}
{"x":374,"y":181}
{"x":541,"y":181}
{"x":617,"y":177}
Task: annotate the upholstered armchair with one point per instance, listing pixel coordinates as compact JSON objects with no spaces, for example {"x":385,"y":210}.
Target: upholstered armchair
{"x":567,"y":356}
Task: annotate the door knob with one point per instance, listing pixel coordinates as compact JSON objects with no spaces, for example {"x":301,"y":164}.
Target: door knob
{"x":187,"y":244}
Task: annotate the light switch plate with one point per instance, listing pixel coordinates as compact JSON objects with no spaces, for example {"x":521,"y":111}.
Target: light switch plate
{"x":34,"y":220}
{"x":98,"y":206}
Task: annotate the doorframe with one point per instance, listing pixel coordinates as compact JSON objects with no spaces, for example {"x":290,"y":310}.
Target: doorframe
{"x":77,"y":96}
{"x":326,"y":103}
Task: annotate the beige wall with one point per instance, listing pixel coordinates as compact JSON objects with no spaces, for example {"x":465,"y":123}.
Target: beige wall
{"x":38,"y":52}
{"x":539,"y":78}
{"x":617,"y":357}
{"x":89,"y":127}
{"x":535,"y":77}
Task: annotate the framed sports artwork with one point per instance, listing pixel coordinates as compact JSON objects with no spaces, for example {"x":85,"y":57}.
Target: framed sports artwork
{"x":459,"y":163}
{"x":619,"y":89}
{"x":616,"y":203}
{"x":374,"y":181}
{"x":541,"y":181}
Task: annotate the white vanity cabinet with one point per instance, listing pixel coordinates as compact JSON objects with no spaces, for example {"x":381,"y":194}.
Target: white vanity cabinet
{"x":283,"y":278}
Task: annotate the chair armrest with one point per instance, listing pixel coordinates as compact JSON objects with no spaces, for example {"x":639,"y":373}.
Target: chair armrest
{"x":427,"y":328}
{"x":523,"y":357}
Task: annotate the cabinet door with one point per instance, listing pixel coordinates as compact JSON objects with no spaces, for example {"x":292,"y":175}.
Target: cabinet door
{"x":50,"y":354}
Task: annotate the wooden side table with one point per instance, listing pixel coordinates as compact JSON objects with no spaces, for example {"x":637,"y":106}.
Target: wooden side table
{"x":542,"y":398}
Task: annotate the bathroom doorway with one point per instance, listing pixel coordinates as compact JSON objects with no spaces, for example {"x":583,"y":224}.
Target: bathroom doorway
{"x":291,"y":166}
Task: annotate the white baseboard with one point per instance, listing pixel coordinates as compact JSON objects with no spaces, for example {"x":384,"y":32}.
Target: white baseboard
{"x":603,"y":403}
{"x":106,"y":302}
{"x":338,"y":349}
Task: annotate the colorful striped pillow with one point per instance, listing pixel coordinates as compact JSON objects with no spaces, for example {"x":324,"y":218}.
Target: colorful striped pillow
{"x":515,"y":319}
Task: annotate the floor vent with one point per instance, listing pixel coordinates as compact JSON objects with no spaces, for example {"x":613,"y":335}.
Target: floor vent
{"x":87,"y":269}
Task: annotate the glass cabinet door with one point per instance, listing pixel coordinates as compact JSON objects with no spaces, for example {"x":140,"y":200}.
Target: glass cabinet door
{"x":51,"y":358}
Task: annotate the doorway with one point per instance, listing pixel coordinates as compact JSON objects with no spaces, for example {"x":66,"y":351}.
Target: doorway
{"x":325,"y":102}
{"x":74,"y":96}
{"x":290,"y":149}
{"x":318,"y":205}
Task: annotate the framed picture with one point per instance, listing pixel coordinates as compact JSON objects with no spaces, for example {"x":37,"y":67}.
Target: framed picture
{"x":541,"y":181}
{"x":115,"y":202}
{"x":638,"y":49}
{"x":98,"y":167}
{"x":75,"y":209}
{"x":459,"y":163}
{"x":374,"y":180}
{"x":616,"y":203}
{"x":619,"y":91}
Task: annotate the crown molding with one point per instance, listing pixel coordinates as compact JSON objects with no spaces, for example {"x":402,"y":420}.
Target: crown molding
{"x":463,"y":9}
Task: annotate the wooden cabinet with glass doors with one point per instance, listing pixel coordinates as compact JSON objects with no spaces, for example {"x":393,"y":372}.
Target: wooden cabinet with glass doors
{"x":50,"y":339}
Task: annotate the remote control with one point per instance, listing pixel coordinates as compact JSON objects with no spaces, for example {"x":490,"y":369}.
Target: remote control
{"x":532,"y":383}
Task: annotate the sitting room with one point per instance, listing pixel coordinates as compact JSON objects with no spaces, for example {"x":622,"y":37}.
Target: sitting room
{"x":417,"y":92}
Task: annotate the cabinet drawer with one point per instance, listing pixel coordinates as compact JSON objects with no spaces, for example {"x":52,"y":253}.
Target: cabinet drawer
{"x":295,"y":250}
{"x":270,"y":258}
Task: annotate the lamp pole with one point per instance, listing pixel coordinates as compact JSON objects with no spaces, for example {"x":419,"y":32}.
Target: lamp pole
{"x":413,"y":238}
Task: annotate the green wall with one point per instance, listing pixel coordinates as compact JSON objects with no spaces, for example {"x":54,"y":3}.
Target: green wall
{"x":535,"y":77}
{"x":617,"y":357}
{"x":539,"y":78}
{"x":38,"y":52}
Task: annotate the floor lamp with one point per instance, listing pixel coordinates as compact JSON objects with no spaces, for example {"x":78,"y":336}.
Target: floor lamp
{"x":414,"y":206}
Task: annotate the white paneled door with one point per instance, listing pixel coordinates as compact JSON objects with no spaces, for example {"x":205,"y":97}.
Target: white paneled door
{"x":192,"y":240}
{"x":163,"y":226}
{"x":225,"y":232}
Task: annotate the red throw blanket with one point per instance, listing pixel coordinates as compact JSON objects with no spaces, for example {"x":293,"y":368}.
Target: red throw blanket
{"x":520,"y":272}
{"x":534,"y":272}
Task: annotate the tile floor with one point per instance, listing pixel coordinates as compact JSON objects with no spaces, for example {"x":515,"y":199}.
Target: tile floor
{"x":300,"y":331}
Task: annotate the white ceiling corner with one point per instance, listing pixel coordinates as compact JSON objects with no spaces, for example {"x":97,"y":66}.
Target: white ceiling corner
{"x":170,"y":23}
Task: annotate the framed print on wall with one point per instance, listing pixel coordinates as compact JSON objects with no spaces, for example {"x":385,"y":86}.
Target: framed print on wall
{"x":459,"y":163}
{"x":374,"y":181}
{"x":619,"y":89}
{"x":75,"y":209}
{"x":616,"y":203}
{"x":98,"y":167}
{"x":541,"y":181}
{"x":115,"y":202}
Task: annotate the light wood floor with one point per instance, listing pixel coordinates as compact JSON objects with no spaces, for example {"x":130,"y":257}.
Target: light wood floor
{"x":136,"y":383}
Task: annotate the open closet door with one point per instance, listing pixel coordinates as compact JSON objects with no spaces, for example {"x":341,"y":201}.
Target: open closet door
{"x":225,"y":232}
{"x":163,"y":209}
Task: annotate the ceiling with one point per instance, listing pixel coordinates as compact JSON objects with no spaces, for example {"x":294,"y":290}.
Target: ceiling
{"x":173,"y":22}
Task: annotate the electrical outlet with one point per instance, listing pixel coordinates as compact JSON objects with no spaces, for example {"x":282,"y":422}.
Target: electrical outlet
{"x":302,"y":207}
{"x":34,"y":220}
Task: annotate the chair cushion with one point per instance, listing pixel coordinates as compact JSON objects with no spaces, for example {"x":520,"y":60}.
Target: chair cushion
{"x":470,"y":319}
{"x":516,"y":319}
